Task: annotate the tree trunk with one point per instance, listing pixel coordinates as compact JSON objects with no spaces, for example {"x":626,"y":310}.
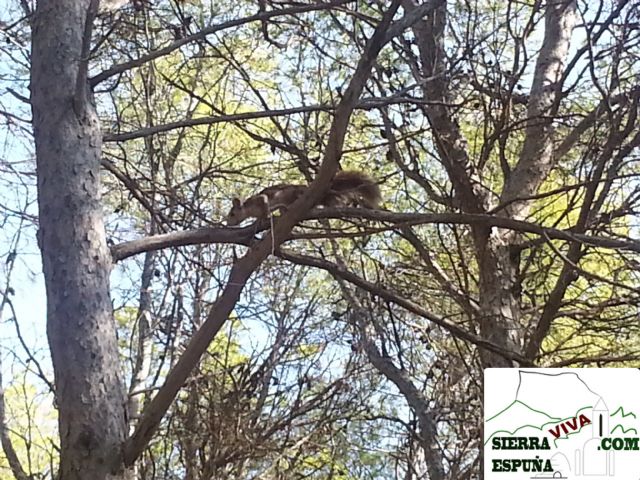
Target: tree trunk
{"x":499,"y":294}
{"x":499,"y":287}
{"x":500,"y":322}
{"x":76,"y":260}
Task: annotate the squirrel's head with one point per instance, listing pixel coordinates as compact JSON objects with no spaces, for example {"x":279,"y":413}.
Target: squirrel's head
{"x":236,"y":214}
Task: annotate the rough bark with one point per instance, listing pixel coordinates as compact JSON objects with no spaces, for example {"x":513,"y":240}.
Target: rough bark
{"x":499,"y":295}
{"x":497,"y":274}
{"x":76,"y":260}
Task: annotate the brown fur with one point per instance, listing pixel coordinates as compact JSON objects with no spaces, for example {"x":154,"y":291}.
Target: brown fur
{"x":348,"y":188}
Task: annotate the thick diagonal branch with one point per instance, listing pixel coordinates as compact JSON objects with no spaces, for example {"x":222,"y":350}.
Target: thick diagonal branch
{"x":536,"y":157}
{"x":449,"y":140}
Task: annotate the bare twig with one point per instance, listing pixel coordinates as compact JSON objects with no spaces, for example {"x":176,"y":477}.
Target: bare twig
{"x":123,"y":67}
{"x":408,"y":305}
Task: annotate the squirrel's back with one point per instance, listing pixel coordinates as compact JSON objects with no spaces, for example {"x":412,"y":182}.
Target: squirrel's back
{"x":353,"y":187}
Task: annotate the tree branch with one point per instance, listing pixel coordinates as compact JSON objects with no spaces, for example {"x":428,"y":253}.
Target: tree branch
{"x":590,"y":120}
{"x":408,"y":305}
{"x":365,"y":104}
{"x":448,"y":139}
{"x":536,"y":156}
{"x":7,"y":446}
{"x":244,"y":236}
{"x":123,"y":67}
{"x":415,"y":398}
{"x":193,"y":122}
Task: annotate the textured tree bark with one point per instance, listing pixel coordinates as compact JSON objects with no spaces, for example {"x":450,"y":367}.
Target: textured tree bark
{"x":449,"y":141}
{"x":499,"y":295}
{"x":499,"y":307}
{"x":76,"y":260}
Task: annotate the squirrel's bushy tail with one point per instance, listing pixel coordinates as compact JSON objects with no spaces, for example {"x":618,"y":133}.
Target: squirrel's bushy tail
{"x":357,"y":185}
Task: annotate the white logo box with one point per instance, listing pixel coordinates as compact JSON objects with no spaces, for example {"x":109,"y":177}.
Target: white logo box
{"x":581,"y":423}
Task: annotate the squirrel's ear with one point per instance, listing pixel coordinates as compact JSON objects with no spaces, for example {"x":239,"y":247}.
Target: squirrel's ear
{"x":236,"y":202}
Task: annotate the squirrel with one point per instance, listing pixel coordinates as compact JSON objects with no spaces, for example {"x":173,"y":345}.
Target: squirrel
{"x":348,"y":188}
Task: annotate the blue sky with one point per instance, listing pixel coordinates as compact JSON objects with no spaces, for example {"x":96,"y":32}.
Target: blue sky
{"x":17,"y":189}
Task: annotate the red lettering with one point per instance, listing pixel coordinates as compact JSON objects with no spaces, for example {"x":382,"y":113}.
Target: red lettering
{"x":556,"y":433}
{"x":571,"y":424}
{"x":584,"y":421}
